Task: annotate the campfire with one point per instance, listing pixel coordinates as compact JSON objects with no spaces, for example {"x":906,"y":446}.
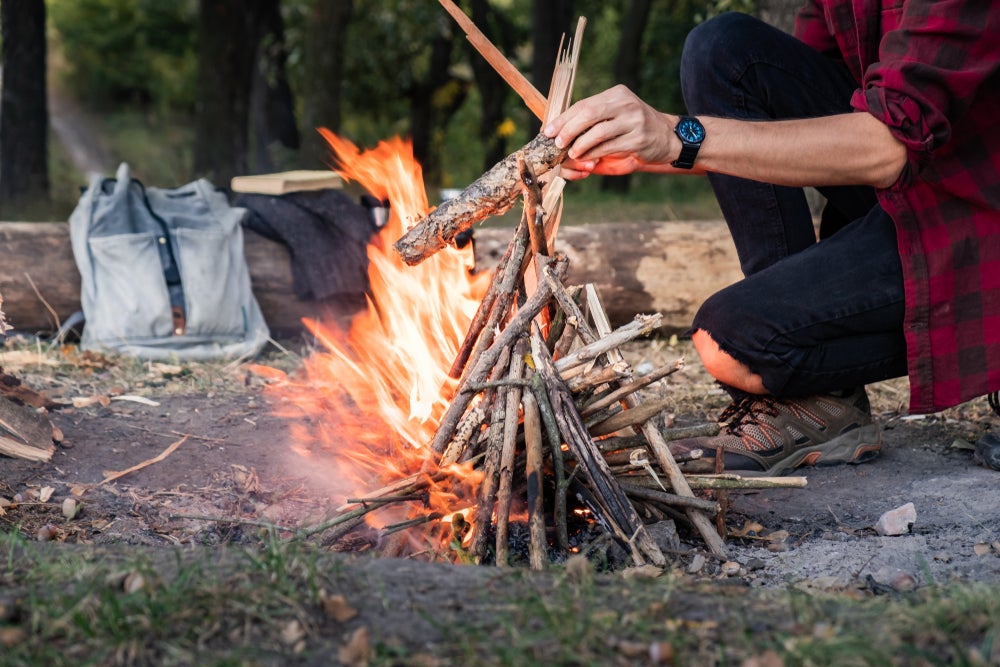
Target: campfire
{"x":460,"y":404}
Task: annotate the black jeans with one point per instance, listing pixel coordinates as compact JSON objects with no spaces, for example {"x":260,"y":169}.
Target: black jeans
{"x":810,"y":317}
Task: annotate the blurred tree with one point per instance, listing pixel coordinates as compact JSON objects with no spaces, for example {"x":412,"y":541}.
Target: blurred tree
{"x":127,"y":52}
{"x":272,"y":105}
{"x":230,"y":33}
{"x":550,"y":21}
{"x":325,"y":50}
{"x":494,"y":125}
{"x":24,"y":115}
{"x":225,"y":69}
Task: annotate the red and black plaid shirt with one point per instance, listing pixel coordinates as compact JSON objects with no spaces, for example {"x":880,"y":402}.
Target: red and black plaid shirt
{"x":930,"y":70}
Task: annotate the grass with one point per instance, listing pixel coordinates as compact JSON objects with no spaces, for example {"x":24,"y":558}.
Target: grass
{"x":66,"y":605}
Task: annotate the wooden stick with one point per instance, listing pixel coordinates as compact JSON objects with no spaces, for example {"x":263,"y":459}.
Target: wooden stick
{"x":518,"y":324}
{"x":614,"y":505}
{"x":733,"y":481}
{"x":511,"y":257}
{"x":641,"y":325}
{"x":531,"y":191}
{"x":493,"y":193}
{"x":537,"y":547}
{"x":534,"y":100}
{"x":598,"y":376}
{"x":631,"y":417}
{"x":631,"y":388}
{"x":658,"y":446}
{"x":660,"y":496}
{"x":555,"y":446}
{"x":110,"y":477}
{"x":516,"y":372}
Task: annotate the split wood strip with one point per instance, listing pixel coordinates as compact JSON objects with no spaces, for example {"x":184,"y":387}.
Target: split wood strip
{"x":525,"y":90}
{"x":658,"y":446}
{"x":493,"y":193}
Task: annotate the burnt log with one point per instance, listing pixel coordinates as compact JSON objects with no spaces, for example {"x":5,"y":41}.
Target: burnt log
{"x":491,"y":194}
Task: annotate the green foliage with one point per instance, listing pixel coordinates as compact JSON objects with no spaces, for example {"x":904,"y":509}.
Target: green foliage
{"x":127,"y":51}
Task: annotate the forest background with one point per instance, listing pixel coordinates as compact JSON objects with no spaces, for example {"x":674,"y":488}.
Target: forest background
{"x":218,"y":88}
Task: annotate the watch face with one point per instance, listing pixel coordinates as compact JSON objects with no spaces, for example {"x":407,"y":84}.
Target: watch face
{"x":691,"y":131}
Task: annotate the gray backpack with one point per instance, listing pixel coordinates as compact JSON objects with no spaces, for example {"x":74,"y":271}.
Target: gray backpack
{"x":163,"y":272}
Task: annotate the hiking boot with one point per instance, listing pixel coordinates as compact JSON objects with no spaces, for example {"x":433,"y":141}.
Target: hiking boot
{"x":763,"y":435}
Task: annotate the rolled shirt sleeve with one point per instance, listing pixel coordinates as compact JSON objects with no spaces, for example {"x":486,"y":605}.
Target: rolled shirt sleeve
{"x":929,"y":69}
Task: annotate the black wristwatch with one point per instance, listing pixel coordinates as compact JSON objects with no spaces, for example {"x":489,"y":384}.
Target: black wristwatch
{"x":691,"y":133}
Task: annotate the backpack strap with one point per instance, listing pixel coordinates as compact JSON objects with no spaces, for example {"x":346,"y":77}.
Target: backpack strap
{"x":171,"y":271}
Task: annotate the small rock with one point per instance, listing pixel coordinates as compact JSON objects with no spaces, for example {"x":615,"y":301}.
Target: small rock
{"x":664,"y":533}
{"x":987,"y":451}
{"x":895,"y":578}
{"x":730,"y":568}
{"x":897,"y":521}
{"x":697,"y":563}
{"x":755,"y":564}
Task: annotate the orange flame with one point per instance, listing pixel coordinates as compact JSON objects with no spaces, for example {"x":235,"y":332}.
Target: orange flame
{"x":376,"y":393}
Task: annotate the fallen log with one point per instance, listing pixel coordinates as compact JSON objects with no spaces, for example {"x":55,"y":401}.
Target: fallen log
{"x":639,"y":267}
{"x":493,"y":193}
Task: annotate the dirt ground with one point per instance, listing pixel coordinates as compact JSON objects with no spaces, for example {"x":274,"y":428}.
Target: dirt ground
{"x":237,"y":462}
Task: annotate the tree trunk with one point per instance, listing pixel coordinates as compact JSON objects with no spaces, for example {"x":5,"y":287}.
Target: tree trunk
{"x":493,"y":90}
{"x":433,"y":101}
{"x":24,"y":114}
{"x":325,"y":44}
{"x":626,"y":68}
{"x":550,"y":20}
{"x":226,"y":51}
{"x":272,"y":106}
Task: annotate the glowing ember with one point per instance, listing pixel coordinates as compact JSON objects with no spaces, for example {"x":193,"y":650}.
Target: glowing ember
{"x":375,"y":394}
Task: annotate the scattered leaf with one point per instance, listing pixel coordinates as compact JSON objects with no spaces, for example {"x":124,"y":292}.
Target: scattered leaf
{"x":642,"y":572}
{"x":132,"y":398}
{"x":661,"y":653}
{"x":88,"y":401}
{"x":769,"y":658}
{"x":292,"y":633}
{"x":981,"y":549}
{"x":10,"y":637}
{"x":357,"y":651}
{"x":133,"y":582}
{"x":45,"y":493}
{"x":337,"y":608}
{"x":267,"y":372}
{"x":749,"y":529}
{"x":70,"y":508}
{"x":730,"y":568}
{"x":48,"y":533}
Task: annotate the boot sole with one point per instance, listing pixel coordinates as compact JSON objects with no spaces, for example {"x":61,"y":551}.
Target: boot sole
{"x":856,"y":446}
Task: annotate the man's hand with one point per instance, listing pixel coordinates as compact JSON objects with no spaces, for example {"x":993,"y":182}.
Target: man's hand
{"x":614,"y":133}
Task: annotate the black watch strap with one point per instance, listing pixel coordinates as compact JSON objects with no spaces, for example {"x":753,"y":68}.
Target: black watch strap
{"x":686,"y":159}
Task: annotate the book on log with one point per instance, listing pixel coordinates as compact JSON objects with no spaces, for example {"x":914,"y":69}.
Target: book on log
{"x":287,"y":181}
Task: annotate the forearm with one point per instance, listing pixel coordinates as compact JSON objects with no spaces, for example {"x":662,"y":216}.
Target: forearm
{"x":847,"y":149}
